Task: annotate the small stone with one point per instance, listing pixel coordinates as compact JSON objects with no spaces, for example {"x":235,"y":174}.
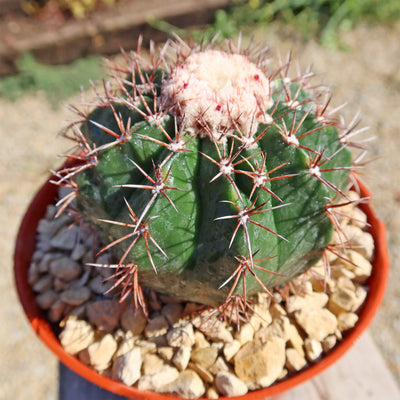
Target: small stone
{"x":259,"y":364}
{"x":245,"y":333}
{"x":314,"y":299}
{"x":212,"y":328}
{"x":101,"y":352}
{"x":278,"y":328}
{"x":261,"y":317}
{"x":44,"y":264}
{"x":347,"y":321}
{"x":212,"y":393}
{"x":229,"y":385}
{"x":127,"y":344}
{"x":146,"y":346}
{"x":56,"y":311}
{"x":361,"y":240}
{"x":156,"y":326}
{"x":166,"y":352}
{"x":127,"y":368}
{"x":78,"y":252}
{"x":43,"y":284}
{"x":65,"y":269}
{"x":65,"y":239}
{"x":47,"y":299}
{"x":219,"y":366}
{"x":295,"y":339}
{"x":204,"y":357}
{"x":151,"y":364}
{"x":182,"y":357}
{"x":329,"y":343}
{"x":188,"y":385}
{"x":313,"y":349}
{"x":133,"y":320}
{"x":359,"y":265}
{"x":201,"y":371}
{"x":99,"y":286}
{"x":75,"y":296}
{"x":172,"y":312}
{"x":200,"y":341}
{"x":104,"y":314}
{"x":342,"y":300}
{"x":158,"y":382}
{"x":276,"y":311}
{"x":76,"y":335}
{"x":294,"y":360}
{"x":33,"y":273}
{"x":230,"y":349}
{"x":181,"y":335}
{"x":317,"y":323}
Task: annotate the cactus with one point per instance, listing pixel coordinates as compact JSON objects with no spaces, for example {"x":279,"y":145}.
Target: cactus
{"x":210,"y":177}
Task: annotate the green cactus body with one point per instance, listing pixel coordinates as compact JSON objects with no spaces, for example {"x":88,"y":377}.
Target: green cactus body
{"x":206,"y":217}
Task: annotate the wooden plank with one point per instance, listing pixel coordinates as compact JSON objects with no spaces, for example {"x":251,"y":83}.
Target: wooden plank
{"x":360,"y":375}
{"x":104,"y":32}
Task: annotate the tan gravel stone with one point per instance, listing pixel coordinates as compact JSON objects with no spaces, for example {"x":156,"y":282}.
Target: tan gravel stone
{"x":347,"y":321}
{"x":102,"y":351}
{"x":229,"y":385}
{"x":313,"y":349}
{"x":182,"y":357}
{"x":200,"y":340}
{"x":213,"y":329}
{"x":201,"y":371}
{"x":328,"y":343}
{"x":294,"y":360}
{"x":152,"y":363}
{"x":204,"y":357}
{"x":166,"y":352}
{"x":314,"y":299}
{"x":278,"y":328}
{"x":76,"y":335}
{"x":259,"y":364}
{"x":181,"y":335}
{"x":230,"y":349}
{"x":317,"y":323}
{"x":212,"y":393}
{"x":219,"y":366}
{"x":245,"y":333}
{"x":127,"y":368}
{"x":158,"y":382}
{"x":188,"y":385}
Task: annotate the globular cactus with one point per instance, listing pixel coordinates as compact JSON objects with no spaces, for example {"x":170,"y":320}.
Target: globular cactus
{"x":210,"y":176}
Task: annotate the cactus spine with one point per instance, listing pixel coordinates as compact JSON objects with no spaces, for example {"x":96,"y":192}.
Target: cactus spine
{"x":211,"y":177}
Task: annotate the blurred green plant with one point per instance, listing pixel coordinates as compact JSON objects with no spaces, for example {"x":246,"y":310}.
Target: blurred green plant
{"x":58,"y":82}
{"x":321,"y":19}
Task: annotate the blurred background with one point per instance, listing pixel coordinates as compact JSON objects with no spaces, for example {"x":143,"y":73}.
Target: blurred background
{"x":49,"y":49}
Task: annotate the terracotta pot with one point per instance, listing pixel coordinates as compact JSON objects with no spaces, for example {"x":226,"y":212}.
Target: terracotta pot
{"x":25,"y":246}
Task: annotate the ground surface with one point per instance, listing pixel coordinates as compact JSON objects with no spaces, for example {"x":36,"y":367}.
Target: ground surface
{"x":367,"y":77}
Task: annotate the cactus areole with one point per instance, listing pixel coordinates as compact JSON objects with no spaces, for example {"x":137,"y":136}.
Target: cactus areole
{"x":210,"y":177}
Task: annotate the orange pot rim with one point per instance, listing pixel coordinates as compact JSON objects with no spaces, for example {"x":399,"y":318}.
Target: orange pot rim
{"x":25,"y":246}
